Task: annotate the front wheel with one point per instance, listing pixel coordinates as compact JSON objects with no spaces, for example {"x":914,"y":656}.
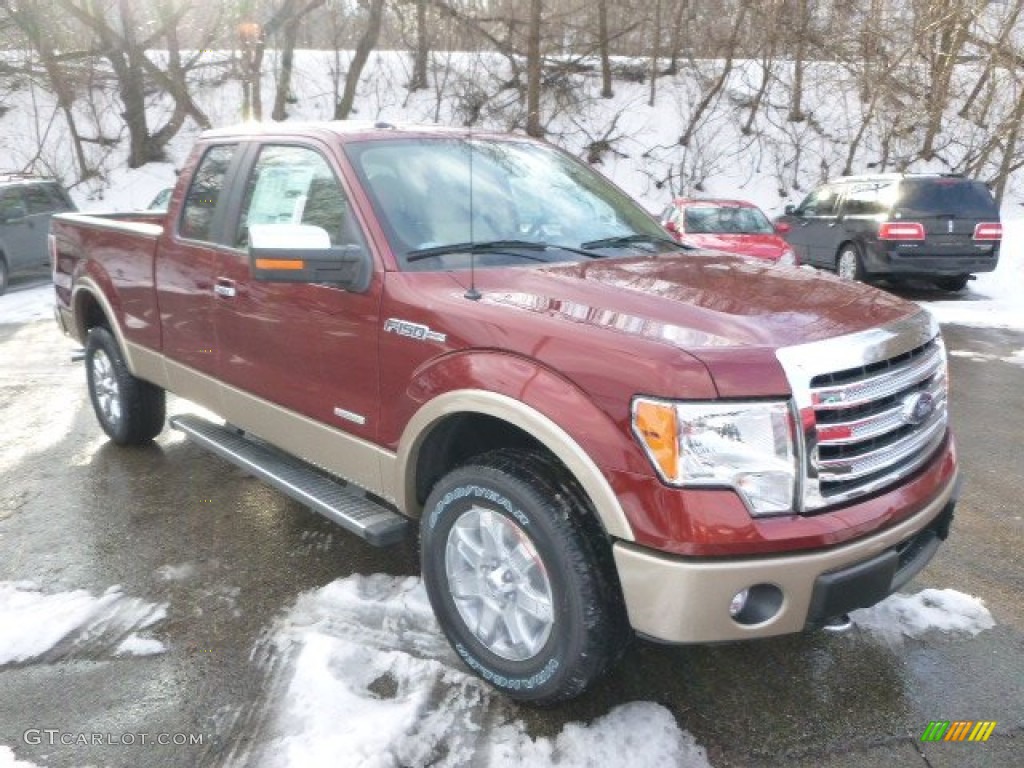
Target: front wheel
{"x":520,"y":580}
{"x":849,"y":265}
{"x":5,"y":275}
{"x":130,"y":410}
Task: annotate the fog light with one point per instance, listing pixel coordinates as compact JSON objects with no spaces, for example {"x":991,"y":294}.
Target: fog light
{"x":738,"y":603}
{"x":756,"y":604}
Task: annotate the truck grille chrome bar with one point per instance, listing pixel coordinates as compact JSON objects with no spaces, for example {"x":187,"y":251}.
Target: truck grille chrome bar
{"x":872,"y":408}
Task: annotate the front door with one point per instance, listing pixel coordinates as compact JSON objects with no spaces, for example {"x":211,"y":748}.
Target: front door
{"x":310,"y":349}
{"x":814,"y":225}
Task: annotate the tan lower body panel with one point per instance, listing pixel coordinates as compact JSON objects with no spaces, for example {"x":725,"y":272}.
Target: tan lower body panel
{"x":345,"y":456}
{"x":687,"y":601}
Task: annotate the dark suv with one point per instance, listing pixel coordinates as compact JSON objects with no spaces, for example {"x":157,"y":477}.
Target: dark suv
{"x":26,"y":204}
{"x":938,"y":227}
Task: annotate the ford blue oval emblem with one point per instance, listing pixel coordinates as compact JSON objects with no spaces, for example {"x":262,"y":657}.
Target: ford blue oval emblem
{"x":917,"y":407}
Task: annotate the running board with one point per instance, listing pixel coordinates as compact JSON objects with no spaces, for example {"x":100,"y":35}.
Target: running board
{"x":343,"y":504}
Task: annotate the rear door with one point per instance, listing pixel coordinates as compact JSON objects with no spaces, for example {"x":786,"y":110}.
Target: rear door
{"x":15,"y":233}
{"x":185,"y":269}
{"x":42,"y":201}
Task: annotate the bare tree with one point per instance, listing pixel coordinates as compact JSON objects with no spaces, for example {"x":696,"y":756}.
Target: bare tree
{"x":366,"y":44}
{"x":534,"y":66}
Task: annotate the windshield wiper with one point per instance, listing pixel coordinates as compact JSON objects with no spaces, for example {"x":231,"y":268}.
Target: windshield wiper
{"x":624,"y":241}
{"x":510,"y":247}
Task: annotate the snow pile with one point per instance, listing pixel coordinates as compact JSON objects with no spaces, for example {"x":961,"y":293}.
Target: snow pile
{"x":8,"y":760}
{"x":26,"y":306}
{"x":362,"y":675}
{"x":37,"y":626}
{"x":942,"y":610}
{"x":993,"y":300}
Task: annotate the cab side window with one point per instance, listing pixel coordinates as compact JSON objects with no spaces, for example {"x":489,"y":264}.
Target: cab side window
{"x":204,"y":193}
{"x":821,"y":202}
{"x":12,"y":207}
{"x":295,"y":185}
{"x":868,"y":199}
{"x":43,"y":198}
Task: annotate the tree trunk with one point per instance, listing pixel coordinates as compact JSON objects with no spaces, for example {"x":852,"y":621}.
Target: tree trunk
{"x":533,"y":70}
{"x":419,"y":64}
{"x":655,"y":53}
{"x":603,"y":47}
{"x":355,"y":70}
{"x":290,"y":34}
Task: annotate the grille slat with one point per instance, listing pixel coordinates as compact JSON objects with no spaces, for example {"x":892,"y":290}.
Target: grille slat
{"x":877,"y":423}
{"x":873,"y":387}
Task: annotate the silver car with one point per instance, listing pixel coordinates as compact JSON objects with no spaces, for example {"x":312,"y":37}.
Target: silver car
{"x":26,"y":204}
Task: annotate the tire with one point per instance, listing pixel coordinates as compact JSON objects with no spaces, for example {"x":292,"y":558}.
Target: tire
{"x":955,"y":283}
{"x":5,"y":275}
{"x":515,"y":534}
{"x":849,"y":265}
{"x":131,"y":411}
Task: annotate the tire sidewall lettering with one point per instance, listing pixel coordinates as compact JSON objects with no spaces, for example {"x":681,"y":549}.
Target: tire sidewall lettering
{"x":477,"y":492}
{"x":508,"y":683}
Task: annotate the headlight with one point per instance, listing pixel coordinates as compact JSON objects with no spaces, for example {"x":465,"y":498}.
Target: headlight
{"x":788,"y":258}
{"x":745,"y":446}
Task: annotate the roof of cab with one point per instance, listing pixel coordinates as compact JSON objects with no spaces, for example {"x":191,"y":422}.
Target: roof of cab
{"x":348,"y":130}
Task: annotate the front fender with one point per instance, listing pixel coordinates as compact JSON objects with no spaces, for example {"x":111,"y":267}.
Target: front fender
{"x":535,"y":399}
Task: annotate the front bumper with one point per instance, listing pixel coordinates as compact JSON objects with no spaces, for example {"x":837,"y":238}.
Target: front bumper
{"x":686,"y":600}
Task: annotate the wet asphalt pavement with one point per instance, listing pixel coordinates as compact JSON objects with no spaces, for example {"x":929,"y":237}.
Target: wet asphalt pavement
{"x":79,"y":514}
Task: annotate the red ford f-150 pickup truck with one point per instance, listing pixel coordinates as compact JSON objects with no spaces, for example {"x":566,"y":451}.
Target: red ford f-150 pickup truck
{"x":598,"y":432}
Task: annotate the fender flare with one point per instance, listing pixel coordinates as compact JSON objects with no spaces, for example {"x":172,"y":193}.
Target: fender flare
{"x":525,"y":417}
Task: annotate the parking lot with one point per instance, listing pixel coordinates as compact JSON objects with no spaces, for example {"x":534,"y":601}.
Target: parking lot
{"x":197,"y":584}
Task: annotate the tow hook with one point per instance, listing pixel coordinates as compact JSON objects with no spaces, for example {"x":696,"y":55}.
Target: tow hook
{"x":838,"y":624}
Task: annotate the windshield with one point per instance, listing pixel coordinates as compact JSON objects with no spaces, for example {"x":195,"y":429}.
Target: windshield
{"x":437,"y":196}
{"x":726,"y":220}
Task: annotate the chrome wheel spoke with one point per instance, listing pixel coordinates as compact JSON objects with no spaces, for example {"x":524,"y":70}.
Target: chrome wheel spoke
{"x":499,"y":584}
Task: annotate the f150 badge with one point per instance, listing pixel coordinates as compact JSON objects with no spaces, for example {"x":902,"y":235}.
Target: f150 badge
{"x":412,"y":330}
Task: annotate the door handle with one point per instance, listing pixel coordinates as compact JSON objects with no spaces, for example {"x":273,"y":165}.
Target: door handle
{"x":225,"y":288}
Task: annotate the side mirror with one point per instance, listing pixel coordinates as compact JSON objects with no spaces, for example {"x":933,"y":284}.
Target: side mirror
{"x":302,"y":253}
{"x":790,"y":210}
{"x":782,"y":227}
{"x":671,"y":227}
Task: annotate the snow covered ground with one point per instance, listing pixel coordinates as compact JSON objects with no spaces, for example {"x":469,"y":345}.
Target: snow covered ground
{"x":359,"y":668}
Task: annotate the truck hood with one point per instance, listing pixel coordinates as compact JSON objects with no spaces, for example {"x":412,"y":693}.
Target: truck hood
{"x":695,"y":300}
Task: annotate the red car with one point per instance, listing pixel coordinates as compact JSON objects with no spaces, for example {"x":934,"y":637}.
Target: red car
{"x":732,"y":226}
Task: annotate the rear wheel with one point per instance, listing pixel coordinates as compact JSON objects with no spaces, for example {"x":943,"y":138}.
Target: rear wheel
{"x":955,"y":283}
{"x":130,"y":410}
{"x":520,"y":580}
{"x":5,"y":274}
{"x":848,"y":263}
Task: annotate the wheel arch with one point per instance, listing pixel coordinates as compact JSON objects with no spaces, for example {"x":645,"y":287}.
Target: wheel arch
{"x":91,"y":308}
{"x":425,"y":450}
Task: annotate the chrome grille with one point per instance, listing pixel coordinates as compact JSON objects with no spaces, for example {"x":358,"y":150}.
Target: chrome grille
{"x":872,"y":406}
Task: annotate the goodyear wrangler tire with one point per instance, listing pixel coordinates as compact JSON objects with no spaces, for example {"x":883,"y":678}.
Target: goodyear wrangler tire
{"x":520,"y":579}
{"x":130,"y":410}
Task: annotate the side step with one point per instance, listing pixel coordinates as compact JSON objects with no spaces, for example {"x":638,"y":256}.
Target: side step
{"x":346,"y":505}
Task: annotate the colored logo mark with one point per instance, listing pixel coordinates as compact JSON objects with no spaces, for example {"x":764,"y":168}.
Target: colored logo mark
{"x":958,"y":730}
